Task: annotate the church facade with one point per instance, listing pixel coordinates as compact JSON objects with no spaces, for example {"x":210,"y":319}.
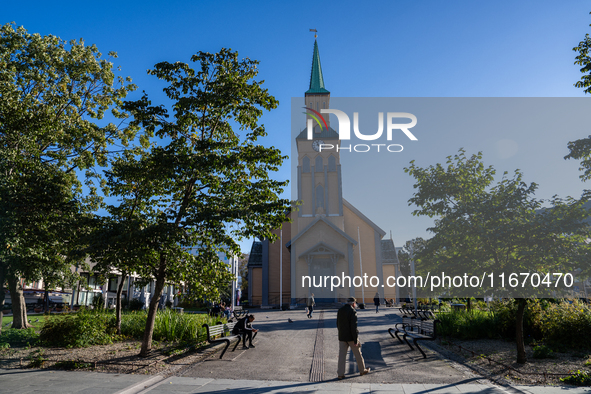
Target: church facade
{"x":328,"y":237}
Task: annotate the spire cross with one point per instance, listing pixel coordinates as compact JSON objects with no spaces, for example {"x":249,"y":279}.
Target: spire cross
{"x":315,"y":32}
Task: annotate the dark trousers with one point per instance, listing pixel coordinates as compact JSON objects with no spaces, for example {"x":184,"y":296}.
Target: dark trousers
{"x":246,"y":334}
{"x":310,"y":310}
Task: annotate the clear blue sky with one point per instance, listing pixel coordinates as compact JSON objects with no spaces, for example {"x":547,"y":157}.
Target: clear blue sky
{"x":371,"y":49}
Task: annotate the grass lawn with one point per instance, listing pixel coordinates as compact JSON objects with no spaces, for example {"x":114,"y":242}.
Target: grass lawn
{"x":31,"y":317}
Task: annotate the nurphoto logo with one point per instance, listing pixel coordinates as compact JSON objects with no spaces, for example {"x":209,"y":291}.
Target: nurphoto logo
{"x":344,"y":130}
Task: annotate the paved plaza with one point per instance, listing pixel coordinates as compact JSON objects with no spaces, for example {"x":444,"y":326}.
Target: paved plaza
{"x":288,"y":358}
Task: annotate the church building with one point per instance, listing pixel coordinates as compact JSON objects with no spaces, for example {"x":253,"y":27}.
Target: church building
{"x":328,"y":237}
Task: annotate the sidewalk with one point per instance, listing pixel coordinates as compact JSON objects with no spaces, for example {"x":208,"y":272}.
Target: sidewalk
{"x":63,"y":382}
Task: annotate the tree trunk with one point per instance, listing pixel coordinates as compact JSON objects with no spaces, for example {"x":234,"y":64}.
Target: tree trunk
{"x":469,"y":306}
{"x":45,"y":297}
{"x":118,"y":303}
{"x":19,"y":306}
{"x":2,"y":293}
{"x":147,"y":341}
{"x":521,"y":359}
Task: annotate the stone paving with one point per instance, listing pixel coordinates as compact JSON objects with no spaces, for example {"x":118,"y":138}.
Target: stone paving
{"x":281,"y":363}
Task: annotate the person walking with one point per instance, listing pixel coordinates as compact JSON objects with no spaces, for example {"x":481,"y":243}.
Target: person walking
{"x":376,"y":301}
{"x":311,"y":304}
{"x":349,"y":338}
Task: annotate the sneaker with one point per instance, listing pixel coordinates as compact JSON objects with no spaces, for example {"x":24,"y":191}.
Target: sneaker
{"x":341,"y":377}
{"x":365,"y":372}
{"x":251,"y":345}
{"x":244,"y":347}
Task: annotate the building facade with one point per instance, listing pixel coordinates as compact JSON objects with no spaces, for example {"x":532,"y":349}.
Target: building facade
{"x":328,"y":237}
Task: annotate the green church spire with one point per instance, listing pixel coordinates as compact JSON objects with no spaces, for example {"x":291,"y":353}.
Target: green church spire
{"x":316,"y":79}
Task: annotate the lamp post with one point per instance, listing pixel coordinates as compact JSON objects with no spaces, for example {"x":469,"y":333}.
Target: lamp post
{"x":361,"y":267}
{"x":412,"y":272}
{"x":281,"y":268}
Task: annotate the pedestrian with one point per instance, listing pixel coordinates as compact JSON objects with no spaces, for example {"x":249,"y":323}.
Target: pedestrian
{"x":349,"y":338}
{"x":376,"y":301}
{"x":244,"y":328}
{"x":311,"y":304}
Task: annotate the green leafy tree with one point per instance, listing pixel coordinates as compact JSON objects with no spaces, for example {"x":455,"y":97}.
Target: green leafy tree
{"x":207,"y":173}
{"x":584,"y":60}
{"x":581,"y":149}
{"x":52,"y":95}
{"x":484,"y":226}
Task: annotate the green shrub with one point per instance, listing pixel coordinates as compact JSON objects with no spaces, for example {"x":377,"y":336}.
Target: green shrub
{"x":82,"y":329}
{"x":37,"y":361}
{"x":565,"y":324}
{"x":543,"y":351}
{"x":579,"y":378}
{"x":17,"y":338}
{"x":169,"y":325}
{"x":506,"y":314}
{"x":98,"y":302}
{"x":473,"y":324}
{"x":135,"y":305}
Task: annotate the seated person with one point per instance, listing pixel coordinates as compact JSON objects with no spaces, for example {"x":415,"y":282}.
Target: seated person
{"x":215,"y":310}
{"x":244,"y":328}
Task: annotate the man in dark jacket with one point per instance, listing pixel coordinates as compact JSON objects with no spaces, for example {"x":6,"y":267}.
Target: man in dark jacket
{"x":244,"y":327}
{"x":349,"y":337}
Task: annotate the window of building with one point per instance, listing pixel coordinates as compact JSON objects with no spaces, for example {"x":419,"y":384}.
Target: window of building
{"x":332,"y":163}
{"x":319,"y":165}
{"x":306,"y":164}
{"x":320,"y":196}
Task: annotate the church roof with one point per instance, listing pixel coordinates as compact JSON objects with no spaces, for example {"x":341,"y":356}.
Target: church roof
{"x":316,"y":79}
{"x":389,"y":255}
{"x":256,"y":254}
{"x":364,"y":218}
{"x":329,"y":223}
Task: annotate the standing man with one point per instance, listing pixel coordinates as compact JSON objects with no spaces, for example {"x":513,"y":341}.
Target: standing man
{"x":376,"y":301}
{"x":311,"y":304}
{"x":349,"y":337}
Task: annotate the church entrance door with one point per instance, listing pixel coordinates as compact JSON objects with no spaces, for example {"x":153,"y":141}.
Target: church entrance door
{"x":320,"y":268}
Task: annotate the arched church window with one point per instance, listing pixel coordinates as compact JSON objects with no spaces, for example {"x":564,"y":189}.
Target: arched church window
{"x":306,"y":164}
{"x":319,"y":196}
{"x":319,"y":165}
{"x":332,"y":163}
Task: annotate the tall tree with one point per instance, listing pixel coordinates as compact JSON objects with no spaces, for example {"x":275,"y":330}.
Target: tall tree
{"x":581,"y":149}
{"x":489,"y":227}
{"x":206,"y":172}
{"x":52,"y":93}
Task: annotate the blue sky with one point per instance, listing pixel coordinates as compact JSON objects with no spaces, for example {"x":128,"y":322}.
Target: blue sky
{"x":371,"y":49}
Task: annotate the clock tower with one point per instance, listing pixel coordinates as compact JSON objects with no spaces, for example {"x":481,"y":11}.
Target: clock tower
{"x":319,"y":172}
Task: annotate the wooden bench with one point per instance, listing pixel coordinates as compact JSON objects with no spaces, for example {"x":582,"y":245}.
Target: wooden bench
{"x":418,"y":329}
{"x":225,"y":331}
{"x":407,"y":312}
{"x":240,"y":313}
